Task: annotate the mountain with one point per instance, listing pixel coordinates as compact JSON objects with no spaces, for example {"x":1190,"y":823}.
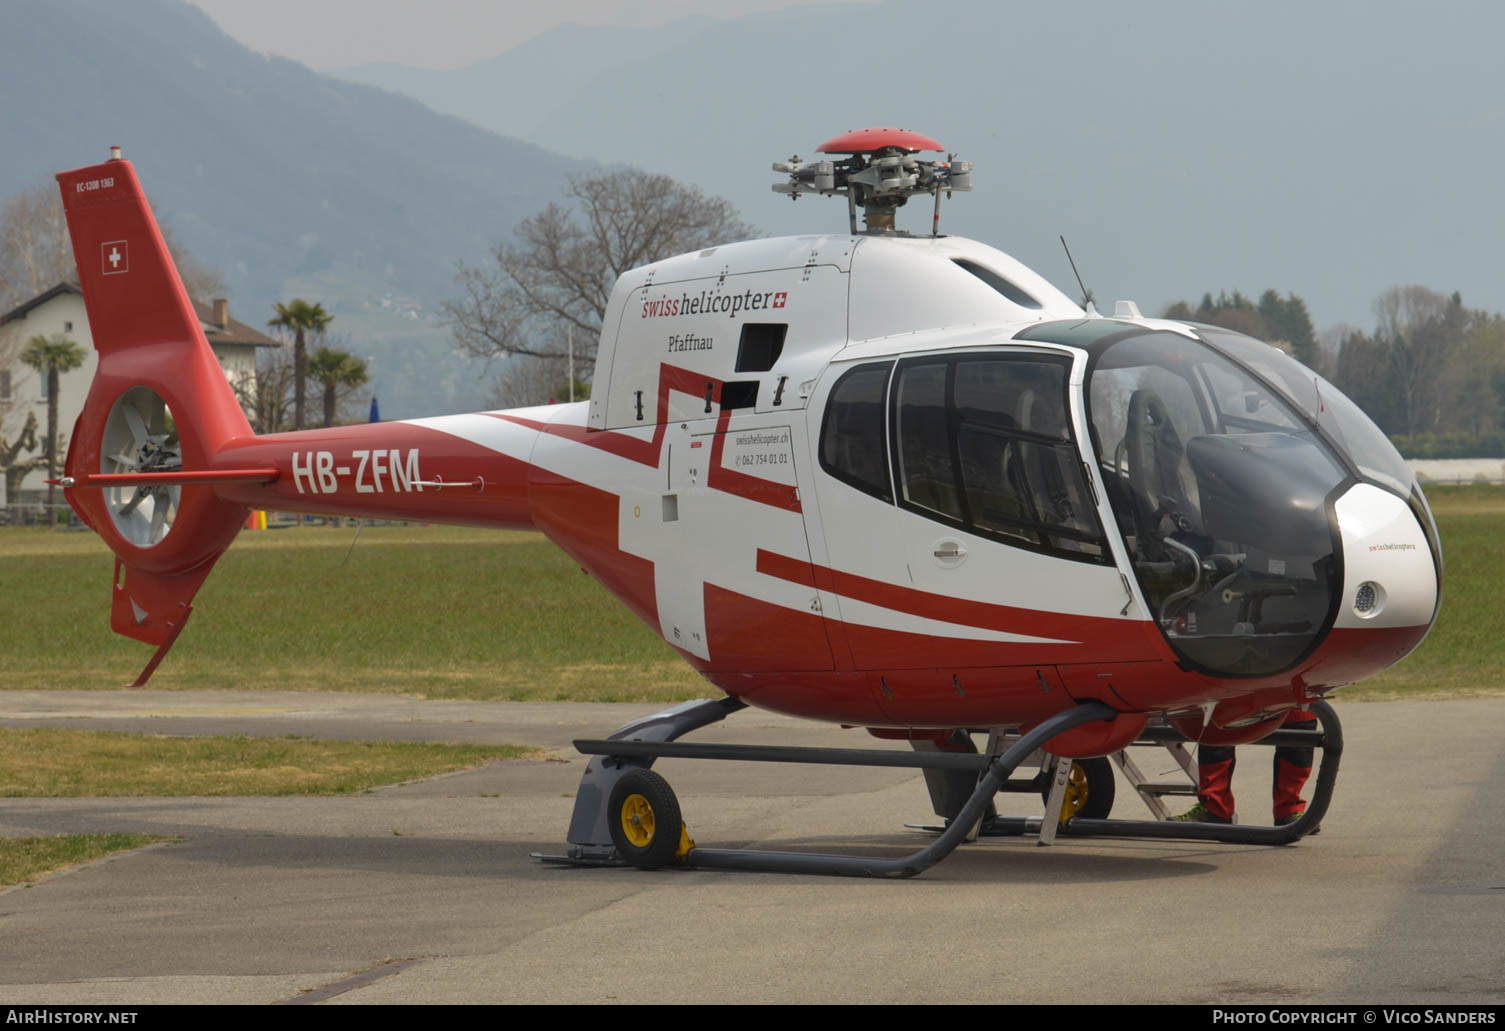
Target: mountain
{"x":288,"y":182}
{"x":1329,"y":149}
{"x":528,"y":86}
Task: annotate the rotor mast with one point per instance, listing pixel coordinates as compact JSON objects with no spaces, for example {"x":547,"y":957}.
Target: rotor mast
{"x":879,"y":174}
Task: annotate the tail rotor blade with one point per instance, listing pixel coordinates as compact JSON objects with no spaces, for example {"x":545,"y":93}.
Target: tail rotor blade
{"x":159,"y":516}
{"x":135,"y":422}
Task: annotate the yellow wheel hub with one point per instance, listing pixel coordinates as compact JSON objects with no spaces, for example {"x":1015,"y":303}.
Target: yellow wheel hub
{"x":637,"y":820}
{"x":1076,"y":792}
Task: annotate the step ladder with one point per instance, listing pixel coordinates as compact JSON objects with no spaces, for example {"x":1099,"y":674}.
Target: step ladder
{"x":1058,"y":769}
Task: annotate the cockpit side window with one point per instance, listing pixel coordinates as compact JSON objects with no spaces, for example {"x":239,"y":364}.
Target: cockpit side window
{"x":984,"y":443}
{"x":851,"y":438}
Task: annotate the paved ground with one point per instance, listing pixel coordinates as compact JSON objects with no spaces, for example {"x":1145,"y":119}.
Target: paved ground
{"x":1401,"y":898}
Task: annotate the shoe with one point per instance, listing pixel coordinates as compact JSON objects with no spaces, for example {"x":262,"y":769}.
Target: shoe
{"x":1286,"y":820}
{"x":1199,"y":813}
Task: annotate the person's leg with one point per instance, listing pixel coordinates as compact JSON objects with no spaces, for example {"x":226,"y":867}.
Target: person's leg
{"x":1292,"y":768}
{"x":1214,"y":786}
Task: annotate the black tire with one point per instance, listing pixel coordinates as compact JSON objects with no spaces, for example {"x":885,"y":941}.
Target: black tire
{"x":1090,"y":793}
{"x":643,"y":814}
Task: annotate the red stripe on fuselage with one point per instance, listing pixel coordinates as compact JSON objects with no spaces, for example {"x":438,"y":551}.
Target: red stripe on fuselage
{"x":745,"y":634}
{"x":584,"y":521}
{"x":649,"y":451}
{"x":1117,"y":639}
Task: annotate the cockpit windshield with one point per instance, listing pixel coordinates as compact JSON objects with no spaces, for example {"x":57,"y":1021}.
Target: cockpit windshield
{"x":1221,"y":489}
{"x":1342,"y":420}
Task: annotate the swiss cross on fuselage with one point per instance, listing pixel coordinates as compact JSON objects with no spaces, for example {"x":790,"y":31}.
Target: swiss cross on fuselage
{"x":114,"y":257}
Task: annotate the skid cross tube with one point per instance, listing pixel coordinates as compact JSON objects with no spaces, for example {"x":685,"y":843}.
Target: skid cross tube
{"x":907,"y":866}
{"x":622,"y":750}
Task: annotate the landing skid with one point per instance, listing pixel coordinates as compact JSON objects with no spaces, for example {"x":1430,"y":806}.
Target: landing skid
{"x":618,"y":759}
{"x":624,"y":811}
{"x":1054,"y":772}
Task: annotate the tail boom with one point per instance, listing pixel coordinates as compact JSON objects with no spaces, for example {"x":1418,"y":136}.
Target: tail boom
{"x":390,"y":470}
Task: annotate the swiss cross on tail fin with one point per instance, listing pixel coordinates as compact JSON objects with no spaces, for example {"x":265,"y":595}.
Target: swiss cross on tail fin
{"x":114,"y":257}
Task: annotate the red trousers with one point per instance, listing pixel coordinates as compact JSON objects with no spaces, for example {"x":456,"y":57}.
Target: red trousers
{"x":1292,"y":768}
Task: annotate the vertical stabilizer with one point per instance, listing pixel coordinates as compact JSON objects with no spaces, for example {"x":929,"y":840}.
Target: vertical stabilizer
{"x":159,"y":406}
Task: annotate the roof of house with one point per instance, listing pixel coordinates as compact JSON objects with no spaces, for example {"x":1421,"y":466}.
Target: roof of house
{"x":21,"y":310}
{"x":229,"y":331}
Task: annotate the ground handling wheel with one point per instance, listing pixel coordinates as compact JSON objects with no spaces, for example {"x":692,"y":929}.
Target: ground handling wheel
{"x":645,"y":823}
{"x":1089,"y":790}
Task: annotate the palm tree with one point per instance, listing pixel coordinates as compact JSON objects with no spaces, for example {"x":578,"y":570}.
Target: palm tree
{"x":335,"y":369}
{"x":300,"y":317}
{"x":51,"y":357}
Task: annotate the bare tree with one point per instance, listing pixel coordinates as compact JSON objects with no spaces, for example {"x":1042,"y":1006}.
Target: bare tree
{"x":536,"y":381}
{"x":267,"y":397}
{"x":1420,"y":330}
{"x":561,"y":271}
{"x":36,"y":253}
{"x":15,"y":468}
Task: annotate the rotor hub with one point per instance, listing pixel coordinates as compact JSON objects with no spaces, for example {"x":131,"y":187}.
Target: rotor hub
{"x":879,"y":174}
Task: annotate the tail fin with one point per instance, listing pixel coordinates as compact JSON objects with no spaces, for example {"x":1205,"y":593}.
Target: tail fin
{"x":159,"y":410}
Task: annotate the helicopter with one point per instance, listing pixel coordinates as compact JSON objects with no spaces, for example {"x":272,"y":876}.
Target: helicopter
{"x":885,"y":480}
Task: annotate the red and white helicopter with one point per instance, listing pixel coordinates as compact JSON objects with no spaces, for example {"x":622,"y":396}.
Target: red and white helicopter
{"x":892,"y":481}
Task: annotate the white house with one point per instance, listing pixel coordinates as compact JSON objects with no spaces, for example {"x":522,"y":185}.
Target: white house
{"x":61,"y":310}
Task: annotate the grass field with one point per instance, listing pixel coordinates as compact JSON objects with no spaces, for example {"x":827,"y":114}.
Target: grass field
{"x":437,"y":612}
{"x":1464,"y":655}
{"x":51,"y":763}
{"x":26,"y":859}
{"x":444,"y":612}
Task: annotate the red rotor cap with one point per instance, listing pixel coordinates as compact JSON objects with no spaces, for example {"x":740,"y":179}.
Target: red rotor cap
{"x":866,"y":141}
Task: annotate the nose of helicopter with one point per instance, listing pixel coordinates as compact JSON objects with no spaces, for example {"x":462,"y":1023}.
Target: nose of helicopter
{"x":1389,"y":595}
{"x":1390,"y":578}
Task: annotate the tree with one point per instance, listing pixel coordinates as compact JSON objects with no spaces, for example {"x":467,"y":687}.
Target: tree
{"x":1421,"y":331}
{"x":1289,"y":321}
{"x":536,"y":381}
{"x":1362,"y":371}
{"x":301,"y":318}
{"x":559,"y":274}
{"x":12,"y":465}
{"x":267,"y":396}
{"x":51,"y":357}
{"x":36,"y":253}
{"x":335,"y":369}
{"x":1282,"y":322}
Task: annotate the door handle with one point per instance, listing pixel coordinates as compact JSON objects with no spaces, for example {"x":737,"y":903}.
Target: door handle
{"x":949,"y":551}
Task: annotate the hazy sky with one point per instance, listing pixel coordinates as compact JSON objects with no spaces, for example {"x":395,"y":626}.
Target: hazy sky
{"x":436,"y":33}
